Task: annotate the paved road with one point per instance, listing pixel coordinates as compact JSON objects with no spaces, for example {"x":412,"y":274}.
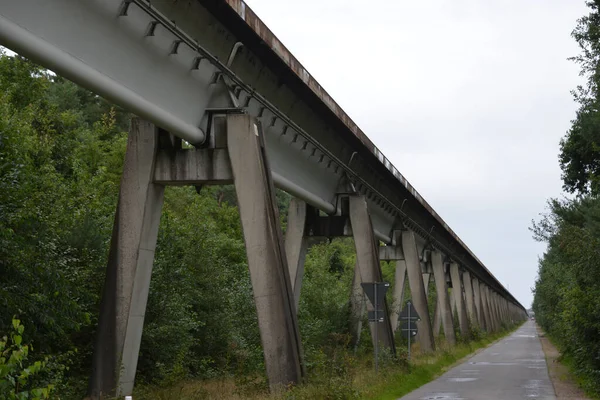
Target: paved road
{"x":512,"y":369}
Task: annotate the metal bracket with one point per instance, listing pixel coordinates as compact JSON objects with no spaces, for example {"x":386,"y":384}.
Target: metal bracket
{"x":211,"y":112}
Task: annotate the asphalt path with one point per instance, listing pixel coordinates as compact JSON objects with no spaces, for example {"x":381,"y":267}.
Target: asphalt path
{"x":512,"y":369}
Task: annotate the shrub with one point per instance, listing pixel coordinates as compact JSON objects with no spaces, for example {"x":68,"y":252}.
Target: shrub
{"x":16,"y":377}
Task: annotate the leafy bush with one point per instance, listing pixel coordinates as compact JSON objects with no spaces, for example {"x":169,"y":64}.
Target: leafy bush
{"x":16,"y":376}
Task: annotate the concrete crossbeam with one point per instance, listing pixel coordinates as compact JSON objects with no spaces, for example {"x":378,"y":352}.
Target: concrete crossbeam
{"x":390,"y":253}
{"x":193,"y":166}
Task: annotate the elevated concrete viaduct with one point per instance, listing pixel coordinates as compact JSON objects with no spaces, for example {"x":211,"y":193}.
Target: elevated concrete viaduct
{"x":210,"y":73}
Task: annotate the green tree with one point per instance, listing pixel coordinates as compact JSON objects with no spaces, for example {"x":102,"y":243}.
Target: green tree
{"x":580,"y":148}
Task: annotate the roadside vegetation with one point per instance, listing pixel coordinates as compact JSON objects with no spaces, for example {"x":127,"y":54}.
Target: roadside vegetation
{"x":567,"y":291}
{"x":344,"y":376}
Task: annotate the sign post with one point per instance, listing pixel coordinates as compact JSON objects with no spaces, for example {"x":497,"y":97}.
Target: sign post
{"x":375,"y":291}
{"x":409,"y":318}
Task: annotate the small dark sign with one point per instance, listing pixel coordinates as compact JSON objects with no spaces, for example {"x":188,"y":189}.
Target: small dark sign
{"x":369,"y":289}
{"x":409,"y":312}
{"x":408,"y":329}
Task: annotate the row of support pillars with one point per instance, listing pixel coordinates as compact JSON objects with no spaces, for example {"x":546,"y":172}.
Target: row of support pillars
{"x":155,"y":159}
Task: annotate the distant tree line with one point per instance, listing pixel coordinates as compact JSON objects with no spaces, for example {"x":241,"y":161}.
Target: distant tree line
{"x":567,"y":291}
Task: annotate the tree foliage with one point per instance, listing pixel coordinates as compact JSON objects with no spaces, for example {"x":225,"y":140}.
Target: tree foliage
{"x":580,"y":148}
{"x":567,"y":291}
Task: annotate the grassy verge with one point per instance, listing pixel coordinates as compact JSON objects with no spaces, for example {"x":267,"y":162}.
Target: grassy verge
{"x":340,"y":375}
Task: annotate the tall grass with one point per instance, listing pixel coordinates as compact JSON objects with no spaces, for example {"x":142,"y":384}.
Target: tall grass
{"x":338,"y":375}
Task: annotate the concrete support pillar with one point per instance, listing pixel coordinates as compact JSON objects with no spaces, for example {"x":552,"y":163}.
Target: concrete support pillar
{"x":398,"y":294}
{"x":495,"y":309}
{"x":503,"y":310}
{"x":490,"y":308}
{"x":452,"y":301}
{"x":367,"y":258}
{"x":437,"y":319}
{"x":489,"y":325}
{"x":393,"y":252}
{"x":130,"y":260}
{"x":479,"y":304}
{"x":417,"y":289}
{"x":442,"y":293}
{"x":296,"y":245}
{"x":470,"y":299}
{"x":457,"y":291}
{"x":267,"y":261}
{"x":426,"y":279}
{"x":493,"y":315}
{"x":358,"y":306}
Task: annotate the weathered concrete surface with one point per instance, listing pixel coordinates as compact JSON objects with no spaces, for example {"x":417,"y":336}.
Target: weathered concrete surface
{"x":296,"y":245}
{"x":459,"y":301}
{"x":367,"y":264}
{"x":398,"y":295}
{"x":417,"y":290}
{"x":479,"y":304}
{"x":267,"y":262}
{"x":512,"y":369}
{"x":442,"y":294}
{"x":470,"y":299}
{"x":129,"y":268}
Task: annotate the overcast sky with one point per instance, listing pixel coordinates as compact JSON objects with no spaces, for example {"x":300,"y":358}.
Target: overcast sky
{"x":468,"y":99}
